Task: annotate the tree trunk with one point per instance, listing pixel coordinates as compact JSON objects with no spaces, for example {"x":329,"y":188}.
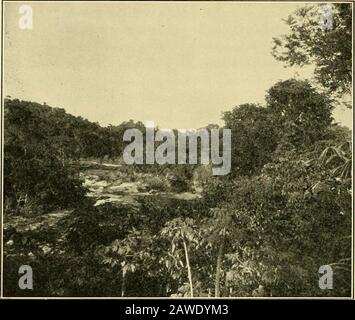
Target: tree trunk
{"x":188,"y":269}
{"x":218,"y":269}
{"x":123,"y":285}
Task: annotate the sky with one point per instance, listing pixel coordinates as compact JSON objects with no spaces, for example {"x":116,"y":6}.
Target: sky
{"x":179,"y":64}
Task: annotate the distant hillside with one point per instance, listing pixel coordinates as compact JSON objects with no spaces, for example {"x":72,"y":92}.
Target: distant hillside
{"x":68,"y":136}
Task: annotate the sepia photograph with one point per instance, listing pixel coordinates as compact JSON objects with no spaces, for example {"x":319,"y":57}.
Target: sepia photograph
{"x":177,"y":149}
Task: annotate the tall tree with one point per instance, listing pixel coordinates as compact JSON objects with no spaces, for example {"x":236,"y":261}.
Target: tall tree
{"x":300,"y":113}
{"x":320,"y":35}
{"x":253,"y":137}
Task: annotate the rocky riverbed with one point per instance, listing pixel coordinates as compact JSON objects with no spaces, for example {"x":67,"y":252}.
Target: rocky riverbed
{"x":109,"y":184}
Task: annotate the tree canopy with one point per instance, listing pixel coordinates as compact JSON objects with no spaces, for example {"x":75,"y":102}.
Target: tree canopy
{"x":320,"y":34}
